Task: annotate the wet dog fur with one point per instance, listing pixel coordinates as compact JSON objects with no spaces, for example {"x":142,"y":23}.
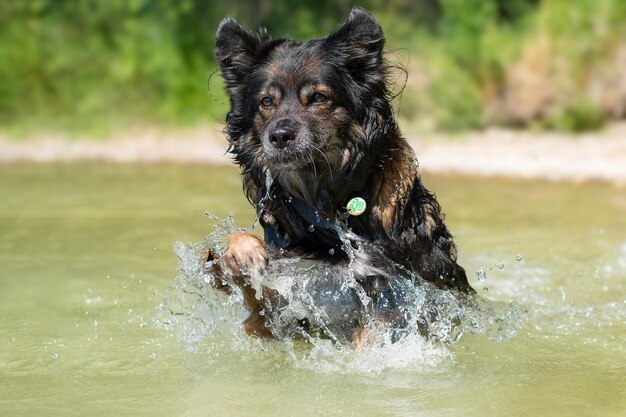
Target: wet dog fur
{"x":311,"y":126}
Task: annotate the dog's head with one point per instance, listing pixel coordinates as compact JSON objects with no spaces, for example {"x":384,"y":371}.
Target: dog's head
{"x":316,"y":107}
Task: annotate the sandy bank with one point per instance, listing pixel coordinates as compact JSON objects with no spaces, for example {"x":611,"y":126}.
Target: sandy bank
{"x":496,"y":152}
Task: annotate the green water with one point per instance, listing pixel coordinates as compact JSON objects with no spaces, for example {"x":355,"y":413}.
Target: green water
{"x":86,"y":254}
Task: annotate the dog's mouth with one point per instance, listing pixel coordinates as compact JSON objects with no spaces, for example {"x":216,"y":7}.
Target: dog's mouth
{"x":312,"y":158}
{"x":289,"y":159}
{"x":301,"y":153}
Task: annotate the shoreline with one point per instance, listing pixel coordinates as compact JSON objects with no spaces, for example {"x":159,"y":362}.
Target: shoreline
{"x":597,"y":156}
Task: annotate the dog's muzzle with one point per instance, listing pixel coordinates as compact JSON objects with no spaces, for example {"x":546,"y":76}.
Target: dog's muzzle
{"x":283,"y":133}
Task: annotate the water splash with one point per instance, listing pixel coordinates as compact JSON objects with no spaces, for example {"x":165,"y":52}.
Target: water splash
{"x":191,"y":308}
{"x":481,"y":275}
{"x":397,"y":320}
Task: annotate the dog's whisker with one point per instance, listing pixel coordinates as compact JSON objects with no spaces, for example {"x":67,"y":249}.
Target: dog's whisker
{"x":330,"y":169}
{"x":310,"y":155}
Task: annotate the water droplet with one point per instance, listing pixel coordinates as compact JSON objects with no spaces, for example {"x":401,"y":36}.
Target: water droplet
{"x":331,"y":251}
{"x":281,"y":251}
{"x":519,"y":258}
{"x":481,"y":275}
{"x":290,"y":199}
{"x":311,"y":228}
{"x":262,"y":312}
{"x":500,"y":266}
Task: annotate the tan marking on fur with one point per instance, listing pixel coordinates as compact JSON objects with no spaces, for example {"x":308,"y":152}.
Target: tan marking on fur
{"x":394,"y":185}
{"x":269,"y":218}
{"x":307,"y":91}
{"x":453,"y":253}
{"x":266,"y":112}
{"x":250,"y":188}
{"x":255,"y":325}
{"x":430,"y":223}
{"x":271,"y":91}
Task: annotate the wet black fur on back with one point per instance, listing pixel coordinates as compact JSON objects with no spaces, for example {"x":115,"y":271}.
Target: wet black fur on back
{"x":344,"y":146}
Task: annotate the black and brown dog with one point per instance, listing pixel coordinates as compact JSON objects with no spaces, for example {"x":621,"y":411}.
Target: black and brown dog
{"x":312,"y":128}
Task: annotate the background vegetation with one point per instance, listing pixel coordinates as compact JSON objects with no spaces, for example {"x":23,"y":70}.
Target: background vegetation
{"x":101,"y":66}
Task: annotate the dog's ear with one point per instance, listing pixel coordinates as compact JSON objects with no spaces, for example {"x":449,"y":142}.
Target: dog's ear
{"x":361,"y":41}
{"x":237,"y":52}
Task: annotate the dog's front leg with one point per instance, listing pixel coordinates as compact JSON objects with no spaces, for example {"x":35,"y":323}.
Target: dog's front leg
{"x":245,"y":258}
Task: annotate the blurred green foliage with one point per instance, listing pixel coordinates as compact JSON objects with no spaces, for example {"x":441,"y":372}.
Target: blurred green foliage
{"x":101,"y":66}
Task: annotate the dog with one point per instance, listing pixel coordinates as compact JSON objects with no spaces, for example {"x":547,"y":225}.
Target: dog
{"x":312,"y":128}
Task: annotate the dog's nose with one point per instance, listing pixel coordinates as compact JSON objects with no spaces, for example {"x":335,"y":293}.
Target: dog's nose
{"x":281,"y":136}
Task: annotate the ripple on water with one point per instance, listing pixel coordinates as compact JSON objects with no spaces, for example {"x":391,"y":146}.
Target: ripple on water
{"x":566,"y":299}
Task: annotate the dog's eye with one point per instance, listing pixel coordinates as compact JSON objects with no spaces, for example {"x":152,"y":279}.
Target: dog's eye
{"x":318,"y":98}
{"x":267,"y":101}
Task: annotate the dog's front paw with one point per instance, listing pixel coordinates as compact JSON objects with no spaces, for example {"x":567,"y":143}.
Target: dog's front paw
{"x":245,"y":256}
